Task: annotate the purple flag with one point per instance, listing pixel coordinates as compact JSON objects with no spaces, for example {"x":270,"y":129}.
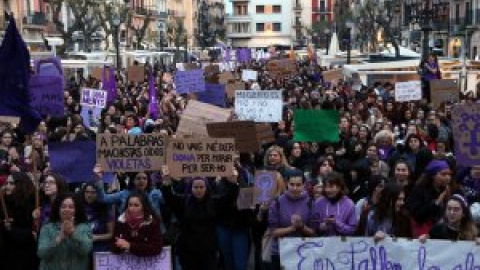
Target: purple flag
{"x":73,"y":160}
{"x":104,"y":79}
{"x":153,"y":105}
{"x":227,"y":54}
{"x":112,"y":87}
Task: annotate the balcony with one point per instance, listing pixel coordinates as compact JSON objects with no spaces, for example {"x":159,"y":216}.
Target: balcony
{"x":37,"y":20}
{"x":297,"y":8}
{"x":323,"y":10}
{"x":239,"y":34}
{"x":239,"y":17}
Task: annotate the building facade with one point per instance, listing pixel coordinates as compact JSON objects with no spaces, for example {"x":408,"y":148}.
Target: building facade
{"x":256,"y":23}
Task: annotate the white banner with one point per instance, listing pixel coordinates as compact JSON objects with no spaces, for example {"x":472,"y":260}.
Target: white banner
{"x":408,"y":91}
{"x":249,"y":75}
{"x":259,"y":106}
{"x":126,"y":261}
{"x":93,"y":98}
{"x":363,"y":253}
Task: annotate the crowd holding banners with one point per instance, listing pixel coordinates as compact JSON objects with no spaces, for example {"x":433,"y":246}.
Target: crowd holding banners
{"x":390,"y":172}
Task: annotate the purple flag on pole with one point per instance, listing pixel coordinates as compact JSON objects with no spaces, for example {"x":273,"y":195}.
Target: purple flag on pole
{"x":153,"y":105}
{"x":104,"y":79}
{"x":112,"y":87}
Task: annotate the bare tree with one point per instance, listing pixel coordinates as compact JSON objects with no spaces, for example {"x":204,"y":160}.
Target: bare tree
{"x":343,"y":13}
{"x":367,"y":26}
{"x":107,"y":13}
{"x":142,"y":30}
{"x":391,"y":28}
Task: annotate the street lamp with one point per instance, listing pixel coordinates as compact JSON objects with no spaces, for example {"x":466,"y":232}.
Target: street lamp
{"x":349,"y":24}
{"x":426,"y":13}
{"x":116,"y":25}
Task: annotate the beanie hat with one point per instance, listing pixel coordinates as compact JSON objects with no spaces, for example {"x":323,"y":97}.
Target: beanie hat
{"x":436,"y":166}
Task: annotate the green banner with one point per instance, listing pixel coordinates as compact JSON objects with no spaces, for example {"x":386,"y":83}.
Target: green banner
{"x":316,"y":126}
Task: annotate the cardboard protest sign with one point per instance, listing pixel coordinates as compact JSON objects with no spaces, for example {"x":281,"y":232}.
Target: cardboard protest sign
{"x":332,"y":76}
{"x":136,"y":73}
{"x":73,"y":160}
{"x":249,"y":75}
{"x":131,"y":153}
{"x":246,"y":198}
{"x":197,"y":114}
{"x":264,"y":133}
{"x":248,"y":136}
{"x":211,"y":73}
{"x":97,"y":73}
{"x":266,"y":184}
{"x":8,"y":122}
{"x":127,"y":261}
{"x":316,"y":126}
{"x":207,"y":157}
{"x":232,"y":87}
{"x":93,"y":98}
{"x":367,"y":253}
{"x":190,"y":66}
{"x":214,"y":94}
{"x":47,"y":95}
{"x":190,"y":81}
{"x":259,"y":106}
{"x":466,"y":129}
{"x":281,"y":68}
{"x":444,"y":90}
{"x":225,"y":77}
{"x":408,"y":91}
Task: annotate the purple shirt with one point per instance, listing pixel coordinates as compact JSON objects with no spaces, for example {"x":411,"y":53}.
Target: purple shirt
{"x":344,"y":212}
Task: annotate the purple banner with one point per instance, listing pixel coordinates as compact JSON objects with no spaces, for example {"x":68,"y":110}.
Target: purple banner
{"x":48,"y":67}
{"x":73,"y":160}
{"x":466,"y":133}
{"x":190,"y":81}
{"x":91,"y":116}
{"x":214,"y":94}
{"x":47,"y":95}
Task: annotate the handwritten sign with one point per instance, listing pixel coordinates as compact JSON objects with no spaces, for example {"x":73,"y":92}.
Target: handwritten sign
{"x":93,"y":97}
{"x":97,"y":73}
{"x":214,"y":94}
{"x":201,"y":157}
{"x":408,"y":91}
{"x":74,"y":160}
{"x":466,"y":129}
{"x":190,"y":81}
{"x":136,"y":73}
{"x":249,"y":75}
{"x":131,"y":153}
{"x":364,"y":253}
{"x":259,"y":106}
{"x":281,"y":68}
{"x":266,"y":184}
{"x":8,"y":122}
{"x":127,"y":261}
{"x":444,"y":90}
{"x":333,"y":76}
{"x":248,"y":136}
{"x":47,"y":95}
{"x":197,"y":115}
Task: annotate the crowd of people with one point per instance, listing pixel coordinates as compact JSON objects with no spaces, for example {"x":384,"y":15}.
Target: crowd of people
{"x":392,"y":173}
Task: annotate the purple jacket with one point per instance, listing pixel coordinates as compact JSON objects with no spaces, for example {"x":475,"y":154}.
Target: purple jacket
{"x":344,"y":212}
{"x":280,"y":216}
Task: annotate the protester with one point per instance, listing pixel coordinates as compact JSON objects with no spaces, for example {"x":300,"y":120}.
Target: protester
{"x":137,"y":229}
{"x":54,"y":186}
{"x":335,"y":212}
{"x":100,"y":217}
{"x":17,"y":228}
{"x":197,"y":211}
{"x":65,"y":242}
{"x":290,"y":215}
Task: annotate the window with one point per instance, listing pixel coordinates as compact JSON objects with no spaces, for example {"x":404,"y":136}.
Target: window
{"x":277,"y":27}
{"x":277,"y":9}
{"x":260,"y":9}
{"x":322,"y":6}
{"x":260,"y":27}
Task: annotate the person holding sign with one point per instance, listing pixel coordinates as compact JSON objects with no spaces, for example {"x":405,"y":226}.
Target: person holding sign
{"x":457,"y":223}
{"x":65,"y":241}
{"x":16,"y":224}
{"x":197,"y":212}
{"x":137,"y":230}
